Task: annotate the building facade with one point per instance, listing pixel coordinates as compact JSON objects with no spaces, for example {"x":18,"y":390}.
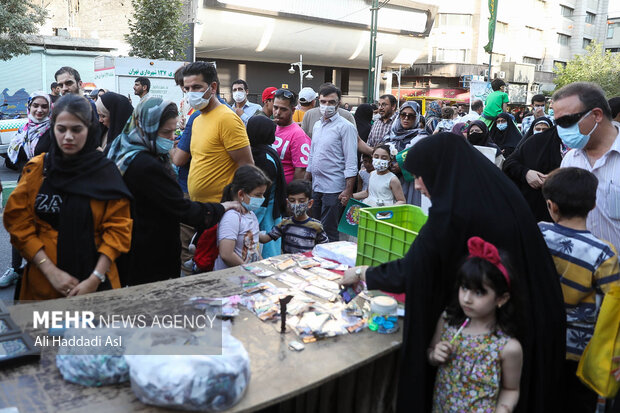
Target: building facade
{"x":531,"y":38}
{"x":612,"y":36}
{"x":438,"y":44}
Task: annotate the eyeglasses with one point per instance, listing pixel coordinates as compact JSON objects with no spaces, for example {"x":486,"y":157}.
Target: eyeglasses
{"x":410,"y":116}
{"x":567,"y":121}
{"x":284,"y":92}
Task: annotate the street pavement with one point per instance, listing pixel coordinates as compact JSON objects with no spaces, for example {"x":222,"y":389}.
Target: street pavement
{"x":6,"y":294}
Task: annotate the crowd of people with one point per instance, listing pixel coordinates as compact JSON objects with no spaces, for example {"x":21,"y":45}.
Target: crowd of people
{"x":518,"y":252}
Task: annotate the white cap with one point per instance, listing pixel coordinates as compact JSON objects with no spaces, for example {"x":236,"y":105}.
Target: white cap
{"x":307,"y":95}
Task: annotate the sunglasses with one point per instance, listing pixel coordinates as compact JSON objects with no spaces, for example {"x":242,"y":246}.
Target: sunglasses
{"x":410,"y":116}
{"x":284,"y":92}
{"x":569,"y":120}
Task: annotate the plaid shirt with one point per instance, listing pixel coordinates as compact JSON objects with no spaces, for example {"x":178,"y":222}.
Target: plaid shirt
{"x":527,"y":121}
{"x":378,"y":131}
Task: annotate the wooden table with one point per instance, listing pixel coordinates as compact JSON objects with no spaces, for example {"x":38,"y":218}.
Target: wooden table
{"x":277,"y":373}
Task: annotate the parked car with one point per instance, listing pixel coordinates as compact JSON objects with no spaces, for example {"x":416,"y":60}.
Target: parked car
{"x":8,"y":129}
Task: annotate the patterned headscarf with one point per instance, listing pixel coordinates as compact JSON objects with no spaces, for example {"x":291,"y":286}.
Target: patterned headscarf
{"x":28,"y":136}
{"x":397,"y":128}
{"x":140,"y":133}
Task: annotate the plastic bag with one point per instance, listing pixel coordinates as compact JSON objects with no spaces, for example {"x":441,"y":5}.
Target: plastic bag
{"x":82,"y":365}
{"x":209,"y":383}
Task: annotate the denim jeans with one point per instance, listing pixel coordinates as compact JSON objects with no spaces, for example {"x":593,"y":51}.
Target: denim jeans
{"x":328,"y":209}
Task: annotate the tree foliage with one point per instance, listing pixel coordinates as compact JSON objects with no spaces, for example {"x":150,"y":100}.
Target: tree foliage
{"x":18,"y":18}
{"x":595,"y":66}
{"x":156,"y":30}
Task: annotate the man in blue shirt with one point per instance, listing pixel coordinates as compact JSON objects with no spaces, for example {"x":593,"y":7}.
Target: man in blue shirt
{"x":242,"y":107}
{"x":332,"y":166}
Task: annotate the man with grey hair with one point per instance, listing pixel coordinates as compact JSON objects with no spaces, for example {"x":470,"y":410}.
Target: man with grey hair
{"x":474,"y":114}
{"x":584,"y":123}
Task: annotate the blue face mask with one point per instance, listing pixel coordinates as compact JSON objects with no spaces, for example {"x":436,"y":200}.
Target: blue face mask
{"x":550,"y":112}
{"x":163,"y":145}
{"x":572,"y":136}
{"x":502,"y":126}
{"x":255,"y":203}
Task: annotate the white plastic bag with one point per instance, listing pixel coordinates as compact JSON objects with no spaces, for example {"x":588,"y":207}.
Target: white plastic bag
{"x":210,"y":383}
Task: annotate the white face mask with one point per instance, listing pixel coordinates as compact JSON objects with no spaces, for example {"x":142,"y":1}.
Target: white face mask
{"x":327,"y":111}
{"x":239,"y":96}
{"x":380,"y":164}
{"x":197,"y":101}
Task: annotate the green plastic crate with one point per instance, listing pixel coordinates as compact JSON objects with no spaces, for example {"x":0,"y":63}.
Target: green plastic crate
{"x":7,"y":188}
{"x":386,"y":233}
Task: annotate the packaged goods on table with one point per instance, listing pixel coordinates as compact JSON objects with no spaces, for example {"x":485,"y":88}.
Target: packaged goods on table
{"x":94,"y":366}
{"x":210,"y":383}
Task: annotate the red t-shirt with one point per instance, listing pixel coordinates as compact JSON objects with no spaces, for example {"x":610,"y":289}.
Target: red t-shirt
{"x":293,"y":146}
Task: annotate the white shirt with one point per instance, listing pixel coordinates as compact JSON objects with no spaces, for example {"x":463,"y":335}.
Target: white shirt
{"x":470,"y":117}
{"x":604,"y":220}
{"x":333,"y":154}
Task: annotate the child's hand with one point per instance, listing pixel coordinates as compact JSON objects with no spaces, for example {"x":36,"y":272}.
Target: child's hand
{"x":441,"y":353}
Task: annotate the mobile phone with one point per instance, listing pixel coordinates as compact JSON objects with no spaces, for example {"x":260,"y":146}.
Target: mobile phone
{"x":349,"y":292}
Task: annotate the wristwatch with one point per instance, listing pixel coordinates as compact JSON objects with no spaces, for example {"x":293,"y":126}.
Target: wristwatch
{"x":99,"y":275}
{"x":358,"y":272}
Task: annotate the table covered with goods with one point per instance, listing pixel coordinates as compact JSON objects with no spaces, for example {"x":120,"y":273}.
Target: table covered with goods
{"x":289,"y":338}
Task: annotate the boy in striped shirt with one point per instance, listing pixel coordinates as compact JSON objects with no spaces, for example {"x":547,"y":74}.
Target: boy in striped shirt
{"x":299,"y":233}
{"x":586,"y":265}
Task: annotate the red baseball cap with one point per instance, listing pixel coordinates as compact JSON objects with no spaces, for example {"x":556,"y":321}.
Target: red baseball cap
{"x":269,"y":93}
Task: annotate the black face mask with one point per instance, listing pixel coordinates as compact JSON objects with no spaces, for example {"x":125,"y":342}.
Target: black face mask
{"x":476,"y":138}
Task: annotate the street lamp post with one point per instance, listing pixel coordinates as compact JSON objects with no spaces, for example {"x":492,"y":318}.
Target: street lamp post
{"x":302,"y":73}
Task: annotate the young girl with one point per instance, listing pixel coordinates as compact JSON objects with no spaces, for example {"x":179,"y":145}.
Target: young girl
{"x":474,"y":346}
{"x":238,"y":232}
{"x":383,"y":186}
{"x":364,"y":173}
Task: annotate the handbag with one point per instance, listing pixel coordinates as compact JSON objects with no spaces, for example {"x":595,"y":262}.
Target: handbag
{"x":596,"y":364}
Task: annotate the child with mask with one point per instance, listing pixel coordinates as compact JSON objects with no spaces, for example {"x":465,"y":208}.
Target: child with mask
{"x":299,"y":232}
{"x":238,"y":232}
{"x":384,"y":188}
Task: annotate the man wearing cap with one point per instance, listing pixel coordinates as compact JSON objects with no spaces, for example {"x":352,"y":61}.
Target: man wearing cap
{"x":313,"y":115}
{"x":242,"y":107}
{"x":267,"y":98}
{"x":307,"y":98}
{"x":292,"y":144}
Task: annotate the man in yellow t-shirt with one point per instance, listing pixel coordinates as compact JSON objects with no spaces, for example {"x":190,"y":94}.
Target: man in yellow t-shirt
{"x":219,"y":142}
{"x":214,"y":136}
{"x":307,"y":98}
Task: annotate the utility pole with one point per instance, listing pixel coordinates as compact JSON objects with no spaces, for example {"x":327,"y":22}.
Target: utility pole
{"x":372,"y":58}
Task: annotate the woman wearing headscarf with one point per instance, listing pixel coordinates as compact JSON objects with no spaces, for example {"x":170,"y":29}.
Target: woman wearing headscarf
{"x":471,"y":197}
{"x":530,"y":163}
{"x":403,"y":135}
{"x":459,"y":129}
{"x":504,"y":133}
{"x":478,"y":135}
{"x":432,"y":116}
{"x":23,"y":146}
{"x":539,"y":125}
{"x":261,"y":132}
{"x":114,"y":110}
{"x":141,"y":154}
{"x":70,"y":214}
{"x":363,"y":120}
